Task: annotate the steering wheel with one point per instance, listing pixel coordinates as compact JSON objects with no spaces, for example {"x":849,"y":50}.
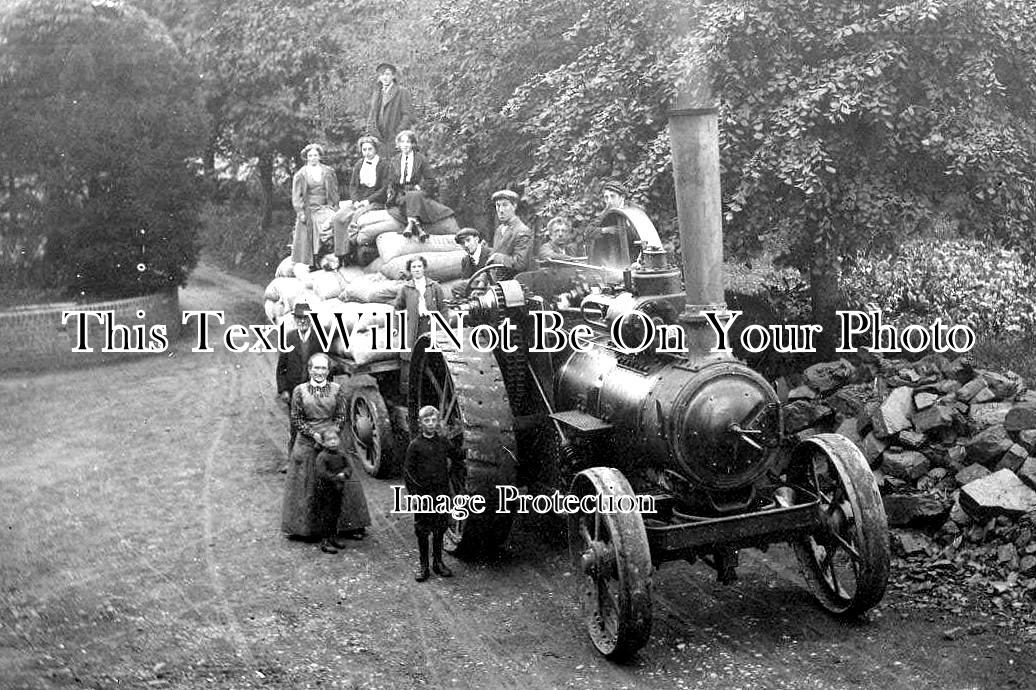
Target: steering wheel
{"x":478,"y":274}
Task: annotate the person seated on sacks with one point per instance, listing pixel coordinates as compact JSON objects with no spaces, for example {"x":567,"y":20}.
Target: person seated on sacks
{"x":314,"y":196}
{"x":411,"y":182}
{"x":368,"y":191}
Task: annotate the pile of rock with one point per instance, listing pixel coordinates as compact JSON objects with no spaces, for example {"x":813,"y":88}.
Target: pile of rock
{"x":362,"y":294}
{"x":952,"y":450}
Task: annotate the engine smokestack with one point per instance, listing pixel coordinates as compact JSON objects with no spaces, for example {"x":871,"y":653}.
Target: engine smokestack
{"x":694,"y":137}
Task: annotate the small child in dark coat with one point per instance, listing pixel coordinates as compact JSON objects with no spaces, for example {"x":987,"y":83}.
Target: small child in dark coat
{"x":426,"y":471}
{"x":332,"y":471}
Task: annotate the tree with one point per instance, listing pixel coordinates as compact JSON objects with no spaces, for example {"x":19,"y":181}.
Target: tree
{"x":266,"y":63}
{"x":100,"y":118}
{"x":848,"y":126}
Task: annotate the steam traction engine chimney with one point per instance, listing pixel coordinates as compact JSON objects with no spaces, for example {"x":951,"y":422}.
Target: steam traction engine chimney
{"x":694,"y":138}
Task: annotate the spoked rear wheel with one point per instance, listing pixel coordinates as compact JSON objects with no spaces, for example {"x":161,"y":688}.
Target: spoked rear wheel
{"x":845,"y":562}
{"x":371,"y":428}
{"x":611,"y":550}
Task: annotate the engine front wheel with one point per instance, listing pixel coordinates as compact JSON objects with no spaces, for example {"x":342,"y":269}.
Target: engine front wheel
{"x":846,"y":561}
{"x":611,"y":550}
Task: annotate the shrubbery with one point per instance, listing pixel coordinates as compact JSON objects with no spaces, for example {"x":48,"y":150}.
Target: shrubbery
{"x":961,"y":281}
{"x":100,"y":116}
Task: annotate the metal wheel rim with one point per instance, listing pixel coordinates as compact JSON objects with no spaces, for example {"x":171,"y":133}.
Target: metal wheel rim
{"x":368,"y":453}
{"x":616,"y":592}
{"x":846,"y":562}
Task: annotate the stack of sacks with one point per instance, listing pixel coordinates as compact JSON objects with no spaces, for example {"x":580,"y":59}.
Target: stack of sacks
{"x":372,"y":224}
{"x":442,"y":253}
{"x":295,"y":283}
{"x":358,"y":319}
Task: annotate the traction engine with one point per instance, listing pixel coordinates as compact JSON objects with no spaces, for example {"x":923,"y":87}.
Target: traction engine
{"x":697,"y":431}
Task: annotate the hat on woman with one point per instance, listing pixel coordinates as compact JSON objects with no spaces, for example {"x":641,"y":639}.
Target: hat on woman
{"x":616,"y":186}
{"x":386,"y":66}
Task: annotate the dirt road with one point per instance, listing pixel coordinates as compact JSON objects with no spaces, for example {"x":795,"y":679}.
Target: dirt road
{"x":139,"y":547}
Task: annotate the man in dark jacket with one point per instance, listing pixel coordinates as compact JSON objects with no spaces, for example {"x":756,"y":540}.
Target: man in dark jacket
{"x":512,"y":241}
{"x":291,"y":366}
{"x":477,"y":256}
{"x":391,"y":109}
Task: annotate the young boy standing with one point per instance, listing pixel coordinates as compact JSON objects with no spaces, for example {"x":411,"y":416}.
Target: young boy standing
{"x":426,"y":473}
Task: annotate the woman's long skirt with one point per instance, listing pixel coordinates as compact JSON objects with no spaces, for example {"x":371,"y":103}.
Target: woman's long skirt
{"x":300,"y":514}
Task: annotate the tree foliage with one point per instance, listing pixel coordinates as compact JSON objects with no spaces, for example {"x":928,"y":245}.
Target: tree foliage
{"x":99,"y":117}
{"x":850,"y":125}
{"x":845,"y":125}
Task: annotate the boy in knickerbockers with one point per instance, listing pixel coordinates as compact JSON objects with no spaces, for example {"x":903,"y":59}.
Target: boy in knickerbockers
{"x":426,"y":472}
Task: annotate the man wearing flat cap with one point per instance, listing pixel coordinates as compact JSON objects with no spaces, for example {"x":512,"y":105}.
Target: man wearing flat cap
{"x":512,"y":241}
{"x":391,"y":109}
{"x":476,"y":257}
{"x":614,"y":193}
{"x":602,"y":239}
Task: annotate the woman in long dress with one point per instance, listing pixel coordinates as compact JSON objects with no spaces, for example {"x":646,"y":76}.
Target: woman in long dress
{"x":318,"y":411}
{"x":314,"y":196}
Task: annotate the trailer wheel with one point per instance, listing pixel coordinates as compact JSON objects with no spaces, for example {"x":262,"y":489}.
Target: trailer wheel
{"x":846,"y":562}
{"x":611,"y":550}
{"x":371,"y":429}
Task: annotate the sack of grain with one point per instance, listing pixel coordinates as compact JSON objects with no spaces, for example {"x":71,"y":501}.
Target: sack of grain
{"x":442,"y":266}
{"x":393,"y":244}
{"x":274,"y":310}
{"x":283,"y":289}
{"x":371,"y":217}
{"x":446,"y":226}
{"x":301,"y":271}
{"x":367,"y":233}
{"x":285,"y":269}
{"x":350,"y":273}
{"x":307,"y":296}
{"x":361,"y":352}
{"x":374,"y":267}
{"x":355,"y":315}
{"x":374,"y":288}
{"x":327,"y":284}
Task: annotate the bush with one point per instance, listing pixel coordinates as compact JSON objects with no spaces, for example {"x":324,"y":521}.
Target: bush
{"x":968,"y":282}
{"x":232,"y":236}
{"x":100,"y":117}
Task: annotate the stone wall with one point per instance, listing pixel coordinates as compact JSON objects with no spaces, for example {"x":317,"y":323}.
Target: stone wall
{"x":34,"y":337}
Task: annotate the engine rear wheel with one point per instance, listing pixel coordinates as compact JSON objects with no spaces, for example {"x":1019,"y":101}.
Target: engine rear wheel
{"x":611,"y":550}
{"x":846,"y":562}
{"x":467,"y":388}
{"x":371,"y":429}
